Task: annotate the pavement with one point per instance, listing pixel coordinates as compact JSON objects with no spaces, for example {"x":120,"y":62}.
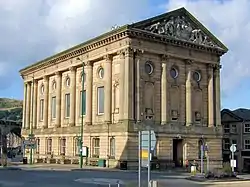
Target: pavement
{"x":55,"y":175}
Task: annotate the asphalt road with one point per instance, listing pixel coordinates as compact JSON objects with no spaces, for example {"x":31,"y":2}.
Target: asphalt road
{"x":86,"y":178}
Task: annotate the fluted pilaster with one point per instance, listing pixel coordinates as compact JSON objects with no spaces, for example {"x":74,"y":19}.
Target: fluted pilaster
{"x":24,"y":105}
{"x":35,"y":104}
{"x":128,"y":85}
{"x":72,"y":95}
{"x":89,"y":83}
{"x":58,"y":98}
{"x":164,"y":98}
{"x":210,"y":95}
{"x":108,"y":88}
{"x":28,"y":104}
{"x":46,"y":101}
{"x":217,"y":94}
{"x":188,"y":93}
{"x":121,"y":84}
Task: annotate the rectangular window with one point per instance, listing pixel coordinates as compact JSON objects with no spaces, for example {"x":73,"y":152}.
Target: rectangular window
{"x":67,"y":105}
{"x":37,"y":146}
{"x":100,"y":99}
{"x":62,"y":146}
{"x":96,"y":147}
{"x":53,"y":107}
{"x":226,"y":128}
{"x":226,"y":144}
{"x":247,"y":144}
{"x":112,"y":147}
{"x":49,"y":146}
{"x":233,"y":128}
{"x":83,"y":102}
{"x":247,"y":128}
{"x":41,"y":109}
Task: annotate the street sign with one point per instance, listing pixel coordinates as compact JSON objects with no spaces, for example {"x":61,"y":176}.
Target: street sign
{"x":233,"y":148}
{"x":29,"y":144}
{"x":145,"y":142}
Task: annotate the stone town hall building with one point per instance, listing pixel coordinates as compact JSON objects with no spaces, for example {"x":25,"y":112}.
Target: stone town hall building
{"x":165,"y":69}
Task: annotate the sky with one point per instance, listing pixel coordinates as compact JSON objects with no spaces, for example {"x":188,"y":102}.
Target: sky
{"x":33,"y":30}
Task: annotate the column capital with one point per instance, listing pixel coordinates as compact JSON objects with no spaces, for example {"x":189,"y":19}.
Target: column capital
{"x":58,"y":73}
{"x":164,"y":57}
{"x":45,"y":78}
{"x":88,"y":64}
{"x":138,"y":52}
{"x":108,"y":57}
{"x":72,"y":69}
{"x":217,"y":67}
{"x":35,"y":82}
{"x":188,"y":62}
{"x":128,"y":51}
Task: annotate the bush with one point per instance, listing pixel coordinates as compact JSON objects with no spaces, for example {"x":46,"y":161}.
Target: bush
{"x":225,"y":172}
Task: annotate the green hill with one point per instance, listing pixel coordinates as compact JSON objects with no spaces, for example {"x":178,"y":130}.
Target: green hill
{"x":11,"y":109}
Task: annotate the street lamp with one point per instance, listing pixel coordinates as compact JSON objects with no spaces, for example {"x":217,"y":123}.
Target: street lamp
{"x":81,"y":129}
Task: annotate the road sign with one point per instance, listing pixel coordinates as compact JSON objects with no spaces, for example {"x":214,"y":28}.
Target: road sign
{"x":233,"y":148}
{"x":145,"y":142}
{"x":28,"y":144}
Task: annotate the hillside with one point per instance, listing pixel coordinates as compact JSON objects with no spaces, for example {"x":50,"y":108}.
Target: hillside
{"x":11,"y":109}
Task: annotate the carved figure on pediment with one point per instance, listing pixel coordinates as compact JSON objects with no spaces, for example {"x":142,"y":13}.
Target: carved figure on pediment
{"x":180,"y":28}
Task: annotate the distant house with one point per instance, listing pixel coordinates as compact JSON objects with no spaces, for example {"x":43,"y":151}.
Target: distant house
{"x":236,"y":130}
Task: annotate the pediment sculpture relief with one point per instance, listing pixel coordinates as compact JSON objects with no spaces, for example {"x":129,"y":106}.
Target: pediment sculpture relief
{"x":179,"y":28}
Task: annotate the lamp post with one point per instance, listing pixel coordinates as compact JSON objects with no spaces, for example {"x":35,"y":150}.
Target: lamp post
{"x":81,"y":130}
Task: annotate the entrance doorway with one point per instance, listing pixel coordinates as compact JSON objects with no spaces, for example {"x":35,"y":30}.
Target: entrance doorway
{"x":178,"y":152}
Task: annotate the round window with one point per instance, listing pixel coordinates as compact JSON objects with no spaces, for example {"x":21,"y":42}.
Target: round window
{"x":68,"y":81}
{"x":101,"y":73}
{"x":149,"y":69}
{"x":197,"y":76}
{"x":174,"y":72}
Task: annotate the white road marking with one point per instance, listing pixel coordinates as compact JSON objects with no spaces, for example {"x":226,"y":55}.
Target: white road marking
{"x":100,"y":181}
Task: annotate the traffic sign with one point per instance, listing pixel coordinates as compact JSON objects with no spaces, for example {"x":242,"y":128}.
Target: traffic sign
{"x":145,"y":140}
{"x":233,"y":148}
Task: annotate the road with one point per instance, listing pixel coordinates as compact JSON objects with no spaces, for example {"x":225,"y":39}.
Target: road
{"x":85,"y":178}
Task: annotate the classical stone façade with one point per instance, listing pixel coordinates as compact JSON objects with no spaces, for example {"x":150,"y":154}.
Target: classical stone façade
{"x":165,"y":70}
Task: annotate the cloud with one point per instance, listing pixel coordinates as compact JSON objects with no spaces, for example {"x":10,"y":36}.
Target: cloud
{"x":229,"y":20}
{"x":32,"y":30}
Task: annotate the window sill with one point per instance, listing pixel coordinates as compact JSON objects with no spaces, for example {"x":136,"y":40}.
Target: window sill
{"x":100,"y":114}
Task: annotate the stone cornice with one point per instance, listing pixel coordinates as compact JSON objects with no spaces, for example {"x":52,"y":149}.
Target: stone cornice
{"x":79,"y":49}
{"x":162,"y":39}
{"x":110,"y":37}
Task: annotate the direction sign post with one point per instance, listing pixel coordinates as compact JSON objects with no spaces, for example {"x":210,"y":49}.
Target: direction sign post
{"x":233,"y":150}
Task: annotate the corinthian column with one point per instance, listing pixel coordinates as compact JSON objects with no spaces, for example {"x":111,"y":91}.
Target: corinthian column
{"x":58,"y":98}
{"x":24,"y":105}
{"x":35,"y":104}
{"x":164,"y":103}
{"x":217,"y":95}
{"x":188,"y":94}
{"x":89,"y":80}
{"x":28,"y":102}
{"x":210,"y":96}
{"x":121,"y":85}
{"x":46,"y":100}
{"x":108,"y":88}
{"x":72,"y":95}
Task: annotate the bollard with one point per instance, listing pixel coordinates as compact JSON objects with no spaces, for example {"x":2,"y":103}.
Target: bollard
{"x":118,"y":184}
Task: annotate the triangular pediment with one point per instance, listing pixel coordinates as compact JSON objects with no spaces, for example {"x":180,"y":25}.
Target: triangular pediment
{"x":228,"y":116}
{"x":181,"y":25}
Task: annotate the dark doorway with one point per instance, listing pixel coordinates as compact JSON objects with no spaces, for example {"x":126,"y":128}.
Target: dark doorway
{"x":178,"y":152}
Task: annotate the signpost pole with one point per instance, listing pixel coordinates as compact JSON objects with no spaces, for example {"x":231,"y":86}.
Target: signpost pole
{"x":149,"y":155}
{"x":202,"y":155}
{"x":232,"y":161}
{"x":31,"y":126}
{"x":139,"y":159}
{"x":81,"y":130}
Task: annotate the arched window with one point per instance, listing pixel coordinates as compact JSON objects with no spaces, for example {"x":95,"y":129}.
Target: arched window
{"x":116,"y":98}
